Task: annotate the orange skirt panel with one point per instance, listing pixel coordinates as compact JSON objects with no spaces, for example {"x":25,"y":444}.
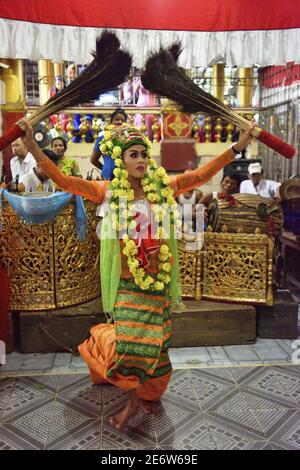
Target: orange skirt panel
{"x":99,"y":352}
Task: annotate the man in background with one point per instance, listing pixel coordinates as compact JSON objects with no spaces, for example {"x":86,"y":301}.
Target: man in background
{"x":36,"y":179}
{"x":257,"y":184}
{"x":22,"y":161}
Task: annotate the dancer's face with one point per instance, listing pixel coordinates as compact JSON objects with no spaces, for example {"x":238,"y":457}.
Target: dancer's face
{"x":136,"y":161}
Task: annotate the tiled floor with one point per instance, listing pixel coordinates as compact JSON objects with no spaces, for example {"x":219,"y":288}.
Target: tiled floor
{"x":232,"y":397}
{"x":211,"y":408}
{"x":263,"y":352}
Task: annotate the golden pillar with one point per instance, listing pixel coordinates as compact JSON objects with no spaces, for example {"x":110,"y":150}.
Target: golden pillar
{"x":46,"y":78}
{"x":218,"y":81}
{"x":14,"y":84}
{"x":245,"y":87}
{"x":58,"y":69}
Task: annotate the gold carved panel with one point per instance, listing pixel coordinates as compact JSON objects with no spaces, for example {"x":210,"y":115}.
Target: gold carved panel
{"x":47,"y":266}
{"x":77,"y":264}
{"x":189,"y":271}
{"x":237,"y":268}
{"x":26,"y":253}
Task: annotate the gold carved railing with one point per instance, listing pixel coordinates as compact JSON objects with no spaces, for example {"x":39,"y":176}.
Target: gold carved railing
{"x":148,"y":119}
{"x":47,"y":266}
{"x":204,"y":129}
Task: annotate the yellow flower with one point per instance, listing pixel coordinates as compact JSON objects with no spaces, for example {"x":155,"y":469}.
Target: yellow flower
{"x":170,"y":200}
{"x":117,"y":151}
{"x":117,"y":172}
{"x":109,"y":144}
{"x":113,"y":206}
{"x":130,"y":244}
{"x":118,"y":162}
{"x":149,"y":280}
{"x":107,"y":135}
{"x":124,"y":173}
{"x":130,"y":195}
{"x":167,"y":279}
{"x":133,"y":263}
{"x":166,"y":192}
{"x":125,"y":251}
{"x":160,"y":172}
{"x":164,"y":250}
{"x":159,"y":285}
{"x":115,"y":182}
{"x":166,"y":267}
{"x":145,"y":181}
{"x":151,"y":197}
{"x":124,"y":183}
{"x":148,"y":141}
{"x":166,"y":180}
{"x":103,"y":148}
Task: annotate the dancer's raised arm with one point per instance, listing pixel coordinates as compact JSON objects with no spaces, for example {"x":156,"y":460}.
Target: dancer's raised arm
{"x":93,"y":190}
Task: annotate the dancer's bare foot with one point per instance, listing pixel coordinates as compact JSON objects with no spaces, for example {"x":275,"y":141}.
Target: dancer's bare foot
{"x":120,"y":420}
{"x":149,"y":407}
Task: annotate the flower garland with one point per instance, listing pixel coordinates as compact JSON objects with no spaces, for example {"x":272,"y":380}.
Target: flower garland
{"x":156,"y":189}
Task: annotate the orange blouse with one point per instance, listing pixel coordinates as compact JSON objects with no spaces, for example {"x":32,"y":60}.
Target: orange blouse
{"x":95,"y":190}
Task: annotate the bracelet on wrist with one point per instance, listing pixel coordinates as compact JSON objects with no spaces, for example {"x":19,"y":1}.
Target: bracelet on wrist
{"x":235,"y":150}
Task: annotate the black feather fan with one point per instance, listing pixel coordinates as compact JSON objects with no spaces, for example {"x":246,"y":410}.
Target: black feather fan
{"x":164,"y":77}
{"x":109,"y":68}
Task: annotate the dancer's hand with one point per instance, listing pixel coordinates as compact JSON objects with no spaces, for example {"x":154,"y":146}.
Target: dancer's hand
{"x":28,"y":139}
{"x":245,"y":138}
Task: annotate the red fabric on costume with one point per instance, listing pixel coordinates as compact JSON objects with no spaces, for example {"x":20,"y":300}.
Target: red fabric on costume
{"x":145,"y":243}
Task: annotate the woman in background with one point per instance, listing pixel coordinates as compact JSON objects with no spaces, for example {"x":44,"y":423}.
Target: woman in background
{"x":66,"y":165}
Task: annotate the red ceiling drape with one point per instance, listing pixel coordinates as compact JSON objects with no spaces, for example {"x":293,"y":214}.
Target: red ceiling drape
{"x":188,"y":15}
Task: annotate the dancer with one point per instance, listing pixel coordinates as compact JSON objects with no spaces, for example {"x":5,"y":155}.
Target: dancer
{"x":139,"y":274}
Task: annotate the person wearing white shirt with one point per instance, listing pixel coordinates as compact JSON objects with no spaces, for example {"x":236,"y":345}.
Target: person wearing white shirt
{"x":256,"y":184}
{"x":22,"y":162}
{"x":36,"y":179}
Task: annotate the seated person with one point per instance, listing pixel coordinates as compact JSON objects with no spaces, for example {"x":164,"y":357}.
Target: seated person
{"x":22,"y":161}
{"x":187,"y":203}
{"x":66,"y":165}
{"x":257,"y":184}
{"x":36,"y":179}
{"x":229,"y":185}
{"x":117,"y":118}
